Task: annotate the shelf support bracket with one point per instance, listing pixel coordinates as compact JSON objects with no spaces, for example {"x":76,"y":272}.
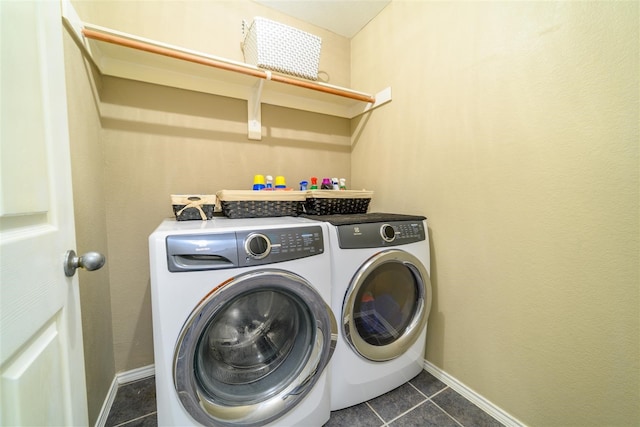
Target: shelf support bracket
{"x":255,"y":111}
{"x":382,"y":97}
{"x":254,"y":106}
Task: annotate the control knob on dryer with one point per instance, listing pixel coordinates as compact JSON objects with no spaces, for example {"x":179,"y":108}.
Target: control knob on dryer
{"x":257,"y":246}
{"x":388,"y":233}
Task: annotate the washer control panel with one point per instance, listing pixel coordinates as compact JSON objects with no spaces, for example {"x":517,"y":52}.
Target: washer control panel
{"x":214,"y":251}
{"x":380,"y":234}
{"x":277,"y":245}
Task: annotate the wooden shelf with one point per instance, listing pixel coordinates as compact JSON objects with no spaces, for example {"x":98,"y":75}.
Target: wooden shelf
{"x":124,"y":55}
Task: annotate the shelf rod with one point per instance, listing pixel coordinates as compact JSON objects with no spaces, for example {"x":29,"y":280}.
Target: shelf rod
{"x":172,"y":53}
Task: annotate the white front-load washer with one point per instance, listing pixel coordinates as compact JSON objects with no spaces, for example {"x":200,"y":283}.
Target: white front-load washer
{"x":243,"y":330}
{"x":382,"y":298}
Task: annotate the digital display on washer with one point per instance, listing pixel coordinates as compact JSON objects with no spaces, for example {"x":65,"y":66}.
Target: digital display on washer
{"x":216,"y":251}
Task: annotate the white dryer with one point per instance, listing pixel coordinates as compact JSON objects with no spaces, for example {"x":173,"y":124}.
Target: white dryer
{"x":382,"y":298}
{"x":243,"y":331}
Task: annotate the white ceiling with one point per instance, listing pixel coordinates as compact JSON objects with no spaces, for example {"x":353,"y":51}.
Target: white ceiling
{"x":343,"y":17}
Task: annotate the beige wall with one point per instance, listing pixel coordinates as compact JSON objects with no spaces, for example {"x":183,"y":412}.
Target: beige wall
{"x":87,"y":164}
{"x":514,"y":129}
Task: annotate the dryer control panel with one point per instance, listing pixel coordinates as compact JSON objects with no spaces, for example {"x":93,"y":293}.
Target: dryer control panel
{"x":214,"y":251}
{"x":380,"y":234}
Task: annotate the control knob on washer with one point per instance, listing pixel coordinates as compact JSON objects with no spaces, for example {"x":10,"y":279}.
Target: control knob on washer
{"x":388,"y":233}
{"x":257,"y":246}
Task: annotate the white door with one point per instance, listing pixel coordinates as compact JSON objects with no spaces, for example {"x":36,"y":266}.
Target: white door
{"x":42,"y":379}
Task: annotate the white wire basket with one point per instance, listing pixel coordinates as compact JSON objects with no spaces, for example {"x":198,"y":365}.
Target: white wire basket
{"x":278,"y":47}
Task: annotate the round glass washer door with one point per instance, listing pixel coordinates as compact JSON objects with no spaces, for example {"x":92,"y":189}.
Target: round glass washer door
{"x":252,"y":349}
{"x":386,"y":305}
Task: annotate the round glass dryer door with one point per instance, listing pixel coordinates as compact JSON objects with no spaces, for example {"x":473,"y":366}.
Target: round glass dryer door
{"x":252,"y":349}
{"x":387,"y":305}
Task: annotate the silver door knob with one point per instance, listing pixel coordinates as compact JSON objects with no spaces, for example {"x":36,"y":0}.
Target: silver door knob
{"x":89,"y":261}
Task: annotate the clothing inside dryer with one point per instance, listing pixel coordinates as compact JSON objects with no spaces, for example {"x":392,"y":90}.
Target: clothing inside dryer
{"x":385,"y":303}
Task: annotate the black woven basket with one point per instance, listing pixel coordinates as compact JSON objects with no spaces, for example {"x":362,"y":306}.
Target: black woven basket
{"x":329,"y":206}
{"x":261,"y":208}
{"x":193,"y":214}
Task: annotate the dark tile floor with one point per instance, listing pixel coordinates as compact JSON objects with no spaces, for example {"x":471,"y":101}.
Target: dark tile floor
{"x":423,"y":401}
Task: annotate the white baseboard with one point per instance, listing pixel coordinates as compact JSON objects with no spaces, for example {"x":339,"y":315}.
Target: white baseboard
{"x":108,"y":401}
{"x":120,"y":379}
{"x":472,"y":396}
{"x":135,"y":374}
